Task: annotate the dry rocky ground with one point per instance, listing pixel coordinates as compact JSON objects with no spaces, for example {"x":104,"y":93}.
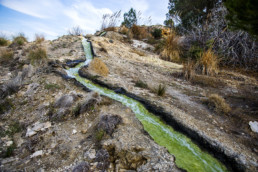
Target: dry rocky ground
{"x":53,"y":124}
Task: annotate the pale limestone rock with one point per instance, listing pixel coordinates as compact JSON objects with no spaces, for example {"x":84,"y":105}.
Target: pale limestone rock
{"x":36,"y":154}
{"x":254,"y":126}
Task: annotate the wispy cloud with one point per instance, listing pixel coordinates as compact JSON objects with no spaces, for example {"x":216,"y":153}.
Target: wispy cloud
{"x":40,"y":9}
{"x":55,"y":17}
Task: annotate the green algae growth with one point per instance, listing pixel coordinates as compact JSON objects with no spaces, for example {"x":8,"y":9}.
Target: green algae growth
{"x":188,"y":155}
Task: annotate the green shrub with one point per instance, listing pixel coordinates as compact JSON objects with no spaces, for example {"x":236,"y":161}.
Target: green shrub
{"x":141,"y":84}
{"x":13,"y":128}
{"x":5,"y":105}
{"x":52,"y":86}
{"x":6,"y":56}
{"x":39,"y":38}
{"x":100,"y":134}
{"x":218,"y":104}
{"x":10,"y":151}
{"x":160,"y":90}
{"x":37,"y":56}
{"x":157,"y":33}
{"x":3,"y":41}
{"x":20,"y":39}
{"x":76,"y":110}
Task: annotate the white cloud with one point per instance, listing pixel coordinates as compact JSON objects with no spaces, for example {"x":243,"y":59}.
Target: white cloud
{"x":139,"y":5}
{"x":55,"y":17}
{"x":38,"y":8}
{"x":76,"y":13}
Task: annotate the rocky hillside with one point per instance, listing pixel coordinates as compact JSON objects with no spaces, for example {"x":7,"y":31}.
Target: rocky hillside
{"x":49,"y":122}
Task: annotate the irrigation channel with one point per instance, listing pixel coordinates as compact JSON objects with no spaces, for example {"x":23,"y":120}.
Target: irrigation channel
{"x":188,"y":155}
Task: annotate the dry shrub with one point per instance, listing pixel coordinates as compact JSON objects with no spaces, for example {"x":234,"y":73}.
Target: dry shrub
{"x":140,"y":53}
{"x":207,"y":81}
{"x":209,"y":63}
{"x":171,"y":49}
{"x":20,"y":39}
{"x":3,"y":41}
{"x":188,"y":70}
{"x":160,"y":90}
{"x":139,"y":32}
{"x":6,"y":56}
{"x":110,"y":29}
{"x":37,"y":56}
{"x":218,"y":103}
{"x":124,"y":30}
{"x":99,"y":67}
{"x":39,"y":38}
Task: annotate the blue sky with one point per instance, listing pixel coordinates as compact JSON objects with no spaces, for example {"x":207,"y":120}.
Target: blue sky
{"x":53,"y":18}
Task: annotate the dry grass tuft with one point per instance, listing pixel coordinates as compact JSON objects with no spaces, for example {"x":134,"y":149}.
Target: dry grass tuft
{"x":99,"y":67}
{"x":6,"y":56}
{"x":39,"y":38}
{"x":207,"y":81}
{"x":209,"y":63}
{"x":3,"y":41}
{"x":37,"y":56}
{"x":140,"y":53}
{"x":124,"y":30}
{"x":20,"y":39}
{"x":110,"y":29}
{"x":188,"y":70}
{"x":139,"y":32}
{"x":171,"y":49}
{"x":218,"y":103}
{"x":160,"y":90}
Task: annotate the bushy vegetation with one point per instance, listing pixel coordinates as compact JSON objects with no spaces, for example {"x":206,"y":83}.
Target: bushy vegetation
{"x":139,"y":32}
{"x":157,"y":33}
{"x":39,"y":38}
{"x":37,"y":56}
{"x":99,"y":67}
{"x":6,"y":56}
{"x":171,"y":49}
{"x":206,"y":32}
{"x":51,"y":86}
{"x":5,"y":105}
{"x":141,"y":84}
{"x":20,"y":39}
{"x":130,"y":18}
{"x":242,"y":14}
{"x":218,"y":104}
{"x":160,"y":90}
{"x":3,"y":41}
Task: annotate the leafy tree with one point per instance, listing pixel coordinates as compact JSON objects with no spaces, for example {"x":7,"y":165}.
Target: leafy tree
{"x":190,"y":11}
{"x":243,"y":14}
{"x":157,"y":33}
{"x":169,"y":23}
{"x":130,"y":18}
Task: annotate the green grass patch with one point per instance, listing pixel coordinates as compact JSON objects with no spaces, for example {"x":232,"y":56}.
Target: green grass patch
{"x":160,"y":90}
{"x":52,"y":86}
{"x":141,"y":84}
{"x":20,"y":39}
{"x":3,"y":41}
{"x":37,"y":56}
{"x":6,"y":105}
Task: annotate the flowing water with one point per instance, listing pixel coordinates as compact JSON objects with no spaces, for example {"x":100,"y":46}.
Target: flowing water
{"x":188,"y":155}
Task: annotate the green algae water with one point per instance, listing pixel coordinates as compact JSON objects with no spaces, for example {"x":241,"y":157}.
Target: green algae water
{"x":188,"y":155}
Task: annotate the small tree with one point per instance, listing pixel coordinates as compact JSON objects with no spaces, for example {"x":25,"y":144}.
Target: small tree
{"x":157,"y":33}
{"x":130,"y":18}
{"x":243,"y":15}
